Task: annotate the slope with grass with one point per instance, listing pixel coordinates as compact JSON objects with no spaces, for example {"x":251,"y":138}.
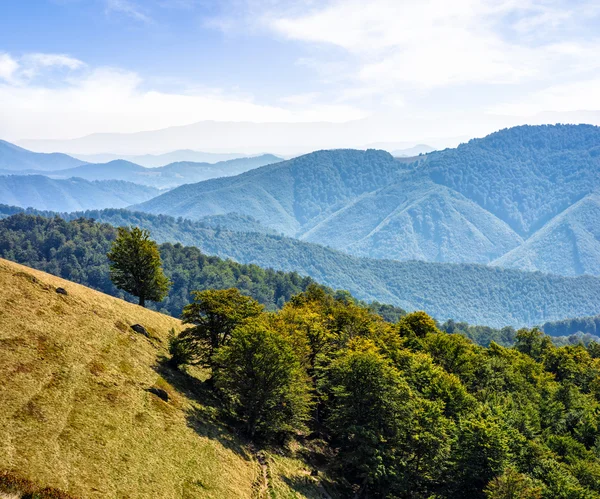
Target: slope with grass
{"x":77,"y":413}
{"x":71,"y":194}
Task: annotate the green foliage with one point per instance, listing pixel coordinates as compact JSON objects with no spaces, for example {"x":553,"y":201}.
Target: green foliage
{"x":181,"y":351}
{"x":76,"y":250}
{"x":369,"y":415}
{"x":513,"y":485}
{"x":262,"y":381}
{"x":214,"y":315}
{"x":136,"y":266}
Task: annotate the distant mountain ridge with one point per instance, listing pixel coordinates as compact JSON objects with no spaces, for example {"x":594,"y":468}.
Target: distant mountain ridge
{"x":171,"y":175}
{"x":71,"y":194}
{"x":16,"y":158}
{"x":475,"y":203}
{"x":158,"y":160}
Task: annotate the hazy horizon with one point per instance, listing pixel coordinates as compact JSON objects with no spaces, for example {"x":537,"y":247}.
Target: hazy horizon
{"x":393,"y":72}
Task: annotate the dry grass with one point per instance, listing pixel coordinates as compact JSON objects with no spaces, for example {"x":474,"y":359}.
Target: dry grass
{"x":76,"y":414}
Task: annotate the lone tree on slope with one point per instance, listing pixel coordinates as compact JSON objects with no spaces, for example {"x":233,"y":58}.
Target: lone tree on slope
{"x":136,"y":266}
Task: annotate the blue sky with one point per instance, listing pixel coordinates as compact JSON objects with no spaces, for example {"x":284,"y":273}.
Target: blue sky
{"x":428,"y":67}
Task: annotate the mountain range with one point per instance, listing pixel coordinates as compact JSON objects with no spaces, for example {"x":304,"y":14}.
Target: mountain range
{"x":156,"y":160}
{"x":16,"y":158}
{"x":163,"y":177}
{"x":497,"y":200}
{"x":71,"y":194}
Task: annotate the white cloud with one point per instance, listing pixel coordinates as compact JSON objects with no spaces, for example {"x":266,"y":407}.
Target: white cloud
{"x":112,"y":100}
{"x":572,"y":96}
{"x":437,"y":43}
{"x":128,"y":8}
{"x":19,"y":71}
{"x":8,"y":67}
{"x":33,"y":64}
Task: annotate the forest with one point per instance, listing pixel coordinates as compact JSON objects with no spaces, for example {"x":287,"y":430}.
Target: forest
{"x":401,"y":410}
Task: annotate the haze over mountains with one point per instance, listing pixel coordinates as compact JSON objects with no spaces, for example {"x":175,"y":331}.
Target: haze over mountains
{"x":156,"y":160}
{"x":13,"y":157}
{"x":167,"y":176}
{"x":71,"y":194}
{"x":474,"y":203}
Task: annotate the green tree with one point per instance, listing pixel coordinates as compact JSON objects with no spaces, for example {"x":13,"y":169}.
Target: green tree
{"x":513,"y":485}
{"x":214,"y":314}
{"x":482,"y":452}
{"x":136,"y":265}
{"x":533,"y":342}
{"x":369,"y":416}
{"x":263,"y":382}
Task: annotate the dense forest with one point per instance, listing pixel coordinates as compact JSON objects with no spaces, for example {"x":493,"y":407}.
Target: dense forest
{"x":402,"y":410}
{"x":76,"y":250}
{"x":476,"y":294}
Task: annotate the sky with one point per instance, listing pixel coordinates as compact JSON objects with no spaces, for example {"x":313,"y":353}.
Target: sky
{"x":414,"y":69}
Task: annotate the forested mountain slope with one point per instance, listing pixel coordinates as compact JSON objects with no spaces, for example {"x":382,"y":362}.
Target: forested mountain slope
{"x":474,"y":203}
{"x":524,"y":175}
{"x":416,"y":220}
{"x":16,"y":158}
{"x":288,"y":195}
{"x":569,"y":244}
{"x":473,"y":293}
{"x":72,"y":194}
{"x":80,"y":410}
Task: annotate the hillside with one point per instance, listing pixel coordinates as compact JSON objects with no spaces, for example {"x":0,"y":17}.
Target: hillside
{"x":476,"y":294}
{"x":569,"y":244}
{"x":287,"y":195}
{"x":474,"y":203}
{"x":16,"y":158}
{"x":416,"y":221}
{"x":71,"y":194}
{"x":78,"y":415}
{"x":171,"y":175}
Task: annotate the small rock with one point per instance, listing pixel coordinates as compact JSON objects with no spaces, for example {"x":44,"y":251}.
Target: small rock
{"x":159,"y":392}
{"x":138,"y":328}
{"x":61,"y":291}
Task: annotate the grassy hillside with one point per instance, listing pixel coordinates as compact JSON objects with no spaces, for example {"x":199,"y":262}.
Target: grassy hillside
{"x":71,"y":194}
{"x":77,"y":414}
